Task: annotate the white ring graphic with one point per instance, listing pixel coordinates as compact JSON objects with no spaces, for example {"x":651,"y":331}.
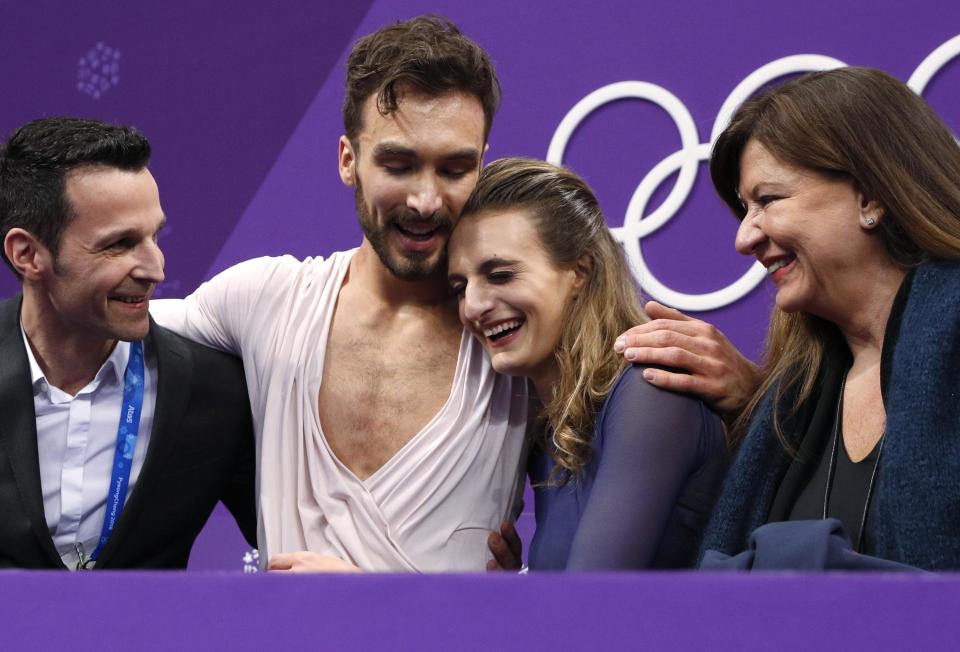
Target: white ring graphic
{"x":637,"y":225}
{"x":932,"y":64}
{"x":689,"y":140}
{"x":764,"y":75}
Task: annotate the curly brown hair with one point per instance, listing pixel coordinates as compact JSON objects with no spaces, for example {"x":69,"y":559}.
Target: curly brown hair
{"x":429,"y":54}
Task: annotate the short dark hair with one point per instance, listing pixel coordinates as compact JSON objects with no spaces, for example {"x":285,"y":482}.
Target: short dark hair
{"x":429,"y":54}
{"x":34,"y":163}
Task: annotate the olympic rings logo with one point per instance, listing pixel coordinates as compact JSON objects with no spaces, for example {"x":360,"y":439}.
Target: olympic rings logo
{"x":637,"y":223}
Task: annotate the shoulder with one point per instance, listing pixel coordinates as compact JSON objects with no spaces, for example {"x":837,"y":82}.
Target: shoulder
{"x":9,"y":312}
{"x":632,"y":389}
{"x":276,"y":276}
{"x":658,"y":413}
{"x":202,"y":358}
{"x":925,"y":319}
{"x":12,"y":351}
{"x":936,"y":282}
{"x":265,"y":268}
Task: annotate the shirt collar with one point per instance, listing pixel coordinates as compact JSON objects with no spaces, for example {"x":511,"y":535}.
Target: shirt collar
{"x":114,"y":366}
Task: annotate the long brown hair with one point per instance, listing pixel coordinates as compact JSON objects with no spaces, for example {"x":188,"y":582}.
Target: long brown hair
{"x":863,"y":125}
{"x":570,"y":225}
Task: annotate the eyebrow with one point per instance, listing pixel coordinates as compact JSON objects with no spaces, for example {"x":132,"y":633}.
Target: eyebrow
{"x":486,"y":266}
{"x":392,"y":149}
{"x":467,"y":154}
{"x":389,"y":149}
{"x":492,"y":263}
{"x":760,"y":187}
{"x":125,"y":233}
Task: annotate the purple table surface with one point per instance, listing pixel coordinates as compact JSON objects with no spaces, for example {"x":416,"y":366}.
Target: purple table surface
{"x":783,"y":611}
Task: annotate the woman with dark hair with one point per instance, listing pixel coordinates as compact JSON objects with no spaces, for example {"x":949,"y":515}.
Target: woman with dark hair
{"x":625,"y":474}
{"x":847,"y":187}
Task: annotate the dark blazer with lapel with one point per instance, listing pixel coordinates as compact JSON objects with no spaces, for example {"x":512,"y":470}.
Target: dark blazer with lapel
{"x":201,"y":451}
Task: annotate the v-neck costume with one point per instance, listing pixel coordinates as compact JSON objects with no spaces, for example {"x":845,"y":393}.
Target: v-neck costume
{"x":431,"y":506}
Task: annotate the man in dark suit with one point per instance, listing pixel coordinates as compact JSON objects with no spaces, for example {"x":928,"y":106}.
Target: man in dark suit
{"x":117,"y":437}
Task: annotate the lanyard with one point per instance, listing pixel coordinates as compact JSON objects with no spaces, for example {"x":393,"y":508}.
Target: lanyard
{"x":126,"y":442}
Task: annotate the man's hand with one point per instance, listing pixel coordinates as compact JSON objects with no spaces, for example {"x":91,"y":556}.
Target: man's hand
{"x":506,"y":548}
{"x":309,"y":562}
{"x":711,"y":367}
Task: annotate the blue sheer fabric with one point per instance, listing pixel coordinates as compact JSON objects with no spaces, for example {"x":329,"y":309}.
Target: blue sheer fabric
{"x":645,"y":496}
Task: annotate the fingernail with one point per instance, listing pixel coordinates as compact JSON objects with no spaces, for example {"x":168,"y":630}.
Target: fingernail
{"x":630,"y":354}
{"x":620,"y":344}
{"x":649,"y":374}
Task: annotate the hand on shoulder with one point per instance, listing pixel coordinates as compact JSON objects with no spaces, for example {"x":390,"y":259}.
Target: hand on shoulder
{"x":705,"y":363}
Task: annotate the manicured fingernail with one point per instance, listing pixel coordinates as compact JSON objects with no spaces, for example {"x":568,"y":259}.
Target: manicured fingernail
{"x":630,"y":354}
{"x":649,"y":374}
{"x":620,"y":344}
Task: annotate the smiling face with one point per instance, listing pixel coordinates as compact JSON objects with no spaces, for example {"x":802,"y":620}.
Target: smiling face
{"x":413,"y":172}
{"x":512,"y":297}
{"x":811,"y":232}
{"x":108,"y":263}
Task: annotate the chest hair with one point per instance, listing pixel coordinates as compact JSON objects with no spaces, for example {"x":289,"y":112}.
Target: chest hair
{"x":381,"y":386}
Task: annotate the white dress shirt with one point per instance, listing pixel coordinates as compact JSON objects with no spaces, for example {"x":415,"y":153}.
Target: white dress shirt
{"x":76,"y":439}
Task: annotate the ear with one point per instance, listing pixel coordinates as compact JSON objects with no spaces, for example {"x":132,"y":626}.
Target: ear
{"x":27,"y":254}
{"x":582,"y":270}
{"x":347,"y":159}
{"x":871,"y":212}
{"x":483,"y":154}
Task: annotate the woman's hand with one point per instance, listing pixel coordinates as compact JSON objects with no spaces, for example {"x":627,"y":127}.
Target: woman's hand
{"x":708,"y":365}
{"x":309,"y":562}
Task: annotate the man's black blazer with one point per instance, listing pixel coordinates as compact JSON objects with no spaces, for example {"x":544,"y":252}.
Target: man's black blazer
{"x":201,"y":451}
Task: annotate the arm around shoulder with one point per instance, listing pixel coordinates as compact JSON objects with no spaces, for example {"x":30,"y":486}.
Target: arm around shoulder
{"x":222,"y":310}
{"x":698,"y":357}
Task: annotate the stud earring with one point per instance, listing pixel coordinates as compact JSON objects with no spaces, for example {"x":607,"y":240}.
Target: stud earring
{"x":870,"y":221}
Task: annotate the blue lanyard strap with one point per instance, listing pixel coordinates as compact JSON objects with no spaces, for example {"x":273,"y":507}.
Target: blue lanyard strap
{"x":126,"y":442}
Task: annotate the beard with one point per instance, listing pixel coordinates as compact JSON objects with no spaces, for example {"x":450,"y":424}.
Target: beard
{"x":405,"y":265}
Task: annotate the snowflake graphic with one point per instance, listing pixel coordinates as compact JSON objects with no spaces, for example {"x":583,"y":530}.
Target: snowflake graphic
{"x":98,"y":70}
{"x":251,"y":561}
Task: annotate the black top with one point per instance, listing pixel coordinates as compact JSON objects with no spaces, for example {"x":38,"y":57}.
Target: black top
{"x":800,"y":494}
{"x":848,"y":489}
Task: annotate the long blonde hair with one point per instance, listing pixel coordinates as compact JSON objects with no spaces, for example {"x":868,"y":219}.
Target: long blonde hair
{"x":570,"y":224}
{"x":863,"y":125}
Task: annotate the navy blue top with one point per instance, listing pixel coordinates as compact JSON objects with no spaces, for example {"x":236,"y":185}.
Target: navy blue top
{"x":646,"y":494}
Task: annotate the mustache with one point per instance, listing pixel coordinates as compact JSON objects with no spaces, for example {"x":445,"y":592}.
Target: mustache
{"x":407,"y":216}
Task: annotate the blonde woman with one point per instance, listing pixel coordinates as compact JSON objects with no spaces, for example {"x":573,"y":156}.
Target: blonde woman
{"x":625,"y":474}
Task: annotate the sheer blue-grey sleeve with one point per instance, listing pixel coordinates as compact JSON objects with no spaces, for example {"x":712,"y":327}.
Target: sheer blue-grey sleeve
{"x":652,"y":442}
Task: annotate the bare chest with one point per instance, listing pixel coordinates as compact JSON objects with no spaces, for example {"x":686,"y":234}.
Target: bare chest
{"x":379,"y":391}
{"x":864,"y":417}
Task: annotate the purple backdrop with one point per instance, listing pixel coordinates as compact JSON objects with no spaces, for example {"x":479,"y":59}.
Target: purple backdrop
{"x":548,"y":611}
{"x":242,"y":104}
